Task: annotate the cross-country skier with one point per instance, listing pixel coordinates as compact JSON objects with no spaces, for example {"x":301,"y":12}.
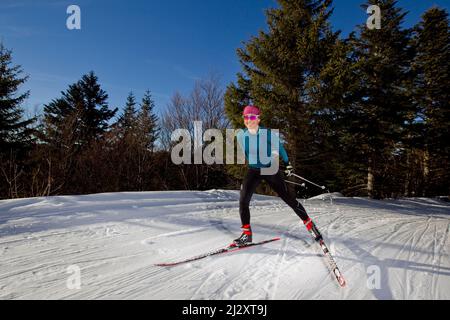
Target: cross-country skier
{"x":256,"y":174}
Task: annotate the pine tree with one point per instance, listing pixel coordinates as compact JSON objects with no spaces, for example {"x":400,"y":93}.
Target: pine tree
{"x":148,"y":122}
{"x":432,"y":97}
{"x":14,"y":130}
{"x":73,"y":130}
{"x":280,"y":67}
{"x":147,"y":135}
{"x":128,"y":120}
{"x":336,"y":89}
{"x":83,"y":108}
{"x":382,"y":105}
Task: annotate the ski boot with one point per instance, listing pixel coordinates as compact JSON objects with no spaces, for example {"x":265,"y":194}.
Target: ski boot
{"x":312,"y":229}
{"x":245,"y":239}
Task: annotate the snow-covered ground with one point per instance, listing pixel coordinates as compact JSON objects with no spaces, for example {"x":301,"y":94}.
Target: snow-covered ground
{"x":395,"y":249}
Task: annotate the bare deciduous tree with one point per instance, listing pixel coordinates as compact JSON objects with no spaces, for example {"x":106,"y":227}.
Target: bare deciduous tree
{"x":205,"y":103}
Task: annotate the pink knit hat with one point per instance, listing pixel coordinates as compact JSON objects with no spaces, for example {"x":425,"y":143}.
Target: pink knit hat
{"x":252,"y":110}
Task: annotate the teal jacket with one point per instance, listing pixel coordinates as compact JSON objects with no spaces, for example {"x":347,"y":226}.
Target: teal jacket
{"x":251,"y":145}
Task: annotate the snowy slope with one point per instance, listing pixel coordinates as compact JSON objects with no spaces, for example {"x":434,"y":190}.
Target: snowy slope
{"x":385,"y":249}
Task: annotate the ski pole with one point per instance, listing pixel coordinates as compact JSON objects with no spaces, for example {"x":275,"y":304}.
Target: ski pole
{"x":314,"y":184}
{"x":297,"y":184}
{"x":301,"y":178}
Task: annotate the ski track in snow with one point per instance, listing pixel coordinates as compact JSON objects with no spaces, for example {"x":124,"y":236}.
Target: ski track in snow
{"x":116,"y":238}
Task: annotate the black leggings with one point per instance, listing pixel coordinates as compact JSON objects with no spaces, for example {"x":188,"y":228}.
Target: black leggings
{"x":276,"y":182}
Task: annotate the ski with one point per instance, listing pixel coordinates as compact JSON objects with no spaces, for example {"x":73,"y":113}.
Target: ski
{"x":216,"y":252}
{"x":332,"y":264}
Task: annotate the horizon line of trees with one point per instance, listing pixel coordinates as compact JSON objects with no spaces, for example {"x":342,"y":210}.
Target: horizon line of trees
{"x":367,"y":115}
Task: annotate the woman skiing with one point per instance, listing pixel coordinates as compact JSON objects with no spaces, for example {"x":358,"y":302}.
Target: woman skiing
{"x":252,"y":140}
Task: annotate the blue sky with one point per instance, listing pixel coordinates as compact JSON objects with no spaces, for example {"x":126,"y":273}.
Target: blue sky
{"x":135,"y":45}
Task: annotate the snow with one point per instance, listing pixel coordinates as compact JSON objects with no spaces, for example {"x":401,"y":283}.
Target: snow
{"x":396,"y":249}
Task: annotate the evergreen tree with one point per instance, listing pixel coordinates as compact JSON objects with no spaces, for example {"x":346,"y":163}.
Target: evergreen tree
{"x":14,"y":130}
{"x":128,"y":120}
{"x":431,"y":65}
{"x":381,"y":103}
{"x":84,"y":106}
{"x":280,"y":67}
{"x":148,"y":122}
{"x":337,"y":88}
{"x":73,"y":130}
{"x":147,"y":134}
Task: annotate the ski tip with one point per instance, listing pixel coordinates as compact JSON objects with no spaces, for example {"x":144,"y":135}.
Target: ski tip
{"x":342,"y":282}
{"x":267,"y":241}
{"x":272,"y":240}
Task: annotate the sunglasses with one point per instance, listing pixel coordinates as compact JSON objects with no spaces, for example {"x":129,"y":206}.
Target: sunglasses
{"x":252,"y":118}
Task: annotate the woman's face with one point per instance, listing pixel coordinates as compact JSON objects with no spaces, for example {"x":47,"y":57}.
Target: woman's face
{"x":251,"y":121}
